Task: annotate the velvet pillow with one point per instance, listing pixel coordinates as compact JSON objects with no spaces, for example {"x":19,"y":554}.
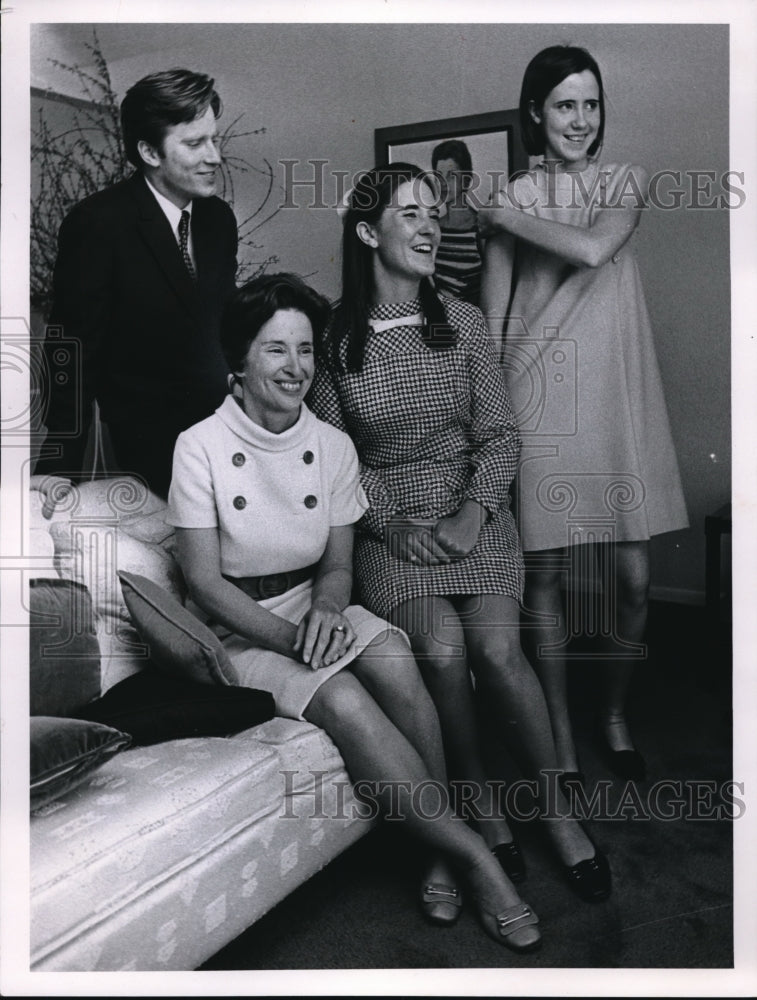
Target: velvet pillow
{"x":179,"y":643}
{"x":63,"y":752}
{"x":152,"y":707}
{"x":64,"y":654}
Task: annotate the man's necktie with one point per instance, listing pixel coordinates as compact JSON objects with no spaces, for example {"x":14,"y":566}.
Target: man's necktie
{"x":184,"y":243}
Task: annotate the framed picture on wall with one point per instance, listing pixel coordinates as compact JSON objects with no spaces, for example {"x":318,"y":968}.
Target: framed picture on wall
{"x":493,"y":139}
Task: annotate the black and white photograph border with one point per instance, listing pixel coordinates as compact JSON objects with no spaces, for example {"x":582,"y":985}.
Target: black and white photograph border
{"x":281,"y":175}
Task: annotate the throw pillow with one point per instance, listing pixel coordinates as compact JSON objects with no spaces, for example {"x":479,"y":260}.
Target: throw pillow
{"x":152,"y":707}
{"x":178,"y":642}
{"x":63,"y":752}
{"x":64,"y":654}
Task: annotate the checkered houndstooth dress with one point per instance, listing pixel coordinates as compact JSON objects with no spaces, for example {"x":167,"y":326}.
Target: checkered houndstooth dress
{"x":432,"y":429}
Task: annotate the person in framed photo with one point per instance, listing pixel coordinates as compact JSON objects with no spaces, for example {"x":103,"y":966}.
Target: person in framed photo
{"x":458,"y":259}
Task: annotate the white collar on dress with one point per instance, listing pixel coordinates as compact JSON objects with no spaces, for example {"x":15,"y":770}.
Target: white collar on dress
{"x":232,"y":414}
{"x":379,"y":325}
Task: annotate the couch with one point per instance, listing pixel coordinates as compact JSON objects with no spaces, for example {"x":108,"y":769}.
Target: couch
{"x":148,"y":851}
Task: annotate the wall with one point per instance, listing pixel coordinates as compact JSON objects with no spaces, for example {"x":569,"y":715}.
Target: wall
{"x":321,"y":90}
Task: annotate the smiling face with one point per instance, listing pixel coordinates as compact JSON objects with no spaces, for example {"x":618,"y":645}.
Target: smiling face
{"x":278,"y":369}
{"x":186,"y":166}
{"x":405,"y":240}
{"x":570,"y":119}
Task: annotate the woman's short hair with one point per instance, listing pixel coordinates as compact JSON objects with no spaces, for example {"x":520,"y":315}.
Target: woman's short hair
{"x":160,"y":100}
{"x":254,"y":303}
{"x":546,"y":71}
{"x":372,"y":193}
{"x":453,"y":149}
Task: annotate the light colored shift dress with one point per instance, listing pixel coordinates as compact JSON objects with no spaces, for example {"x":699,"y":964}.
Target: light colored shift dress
{"x":273,"y":499}
{"x":598,"y":461}
{"x":433,"y":428}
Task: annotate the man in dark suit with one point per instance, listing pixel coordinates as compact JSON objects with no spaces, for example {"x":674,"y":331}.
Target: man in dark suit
{"x":142,"y":273}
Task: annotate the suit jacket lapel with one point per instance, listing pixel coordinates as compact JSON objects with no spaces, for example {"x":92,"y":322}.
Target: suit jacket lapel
{"x":204,"y":240}
{"x":156,"y":232}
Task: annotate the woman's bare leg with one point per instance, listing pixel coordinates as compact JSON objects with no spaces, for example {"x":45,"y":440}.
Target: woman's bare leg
{"x":625,"y":572}
{"x":512,"y":689}
{"x":546,"y":644}
{"x":388,"y":671}
{"x":438,"y":643}
{"x":375,"y":751}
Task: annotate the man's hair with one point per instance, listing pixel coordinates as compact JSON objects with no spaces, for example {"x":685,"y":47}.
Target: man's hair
{"x":160,"y":100}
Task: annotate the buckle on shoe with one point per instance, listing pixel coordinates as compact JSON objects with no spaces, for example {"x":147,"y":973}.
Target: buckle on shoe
{"x":505,"y":921}
{"x":432,"y":890}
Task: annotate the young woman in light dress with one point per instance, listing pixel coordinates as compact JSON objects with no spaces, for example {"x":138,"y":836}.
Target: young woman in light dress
{"x":598,"y":474}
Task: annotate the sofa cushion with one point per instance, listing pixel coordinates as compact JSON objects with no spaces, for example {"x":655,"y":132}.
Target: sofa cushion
{"x":171,"y":851}
{"x":64,"y":751}
{"x":91,"y":552}
{"x":116,"y":498}
{"x":153,"y":707}
{"x":64,"y":655}
{"x":178,"y":642}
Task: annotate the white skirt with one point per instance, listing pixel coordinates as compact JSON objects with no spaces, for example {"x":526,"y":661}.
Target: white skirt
{"x":292,"y":683}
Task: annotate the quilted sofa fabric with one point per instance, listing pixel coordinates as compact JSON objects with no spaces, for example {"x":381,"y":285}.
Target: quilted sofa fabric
{"x":173,"y":850}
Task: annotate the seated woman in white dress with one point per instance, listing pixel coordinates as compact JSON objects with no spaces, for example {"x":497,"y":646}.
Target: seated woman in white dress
{"x":263,"y":497}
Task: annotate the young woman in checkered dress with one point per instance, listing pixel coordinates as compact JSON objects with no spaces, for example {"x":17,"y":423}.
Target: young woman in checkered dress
{"x":412,"y":378}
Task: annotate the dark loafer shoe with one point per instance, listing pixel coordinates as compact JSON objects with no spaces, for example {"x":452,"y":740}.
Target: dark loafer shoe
{"x":590,"y":879}
{"x":627,"y":764}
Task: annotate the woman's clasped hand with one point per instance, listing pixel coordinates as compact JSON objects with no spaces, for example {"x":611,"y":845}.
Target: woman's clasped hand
{"x":430,"y":542}
{"x":323,"y":636}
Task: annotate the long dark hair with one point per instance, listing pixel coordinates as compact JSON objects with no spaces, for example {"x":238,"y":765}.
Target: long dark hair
{"x":546,"y":71}
{"x":368,"y":199}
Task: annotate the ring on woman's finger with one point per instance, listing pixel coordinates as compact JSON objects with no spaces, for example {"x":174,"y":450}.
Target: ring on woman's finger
{"x":338,"y":628}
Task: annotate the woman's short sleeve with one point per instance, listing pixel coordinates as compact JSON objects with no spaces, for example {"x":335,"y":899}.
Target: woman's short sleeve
{"x":348,"y":501}
{"x":191,"y":498}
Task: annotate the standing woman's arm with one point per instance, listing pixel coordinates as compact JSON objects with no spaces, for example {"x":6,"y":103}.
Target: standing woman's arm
{"x":581,"y":246}
{"x":496,"y":281}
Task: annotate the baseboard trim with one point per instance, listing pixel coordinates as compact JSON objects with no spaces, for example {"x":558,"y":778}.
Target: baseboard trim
{"x":670,"y":595}
{"x":677,"y":595}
